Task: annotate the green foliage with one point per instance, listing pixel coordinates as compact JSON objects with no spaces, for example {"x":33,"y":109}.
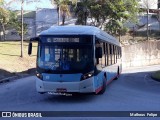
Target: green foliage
{"x":16,"y":24}
{"x":63,"y":7}
{"x":107,"y":14}
{"x":156,"y":75}
{"x":4,"y":17}
{"x":81,"y":11}
{"x":1,"y":2}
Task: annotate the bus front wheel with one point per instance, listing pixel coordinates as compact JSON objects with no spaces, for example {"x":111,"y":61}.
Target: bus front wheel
{"x":103,"y":86}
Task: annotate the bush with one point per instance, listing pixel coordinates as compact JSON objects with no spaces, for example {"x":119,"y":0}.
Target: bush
{"x":156,"y":75}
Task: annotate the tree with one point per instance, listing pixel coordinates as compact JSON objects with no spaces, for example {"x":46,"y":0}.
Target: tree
{"x":146,"y":5}
{"x":121,"y":11}
{"x":107,"y":14}
{"x":22,"y":27}
{"x":81,"y":11}
{"x":16,"y":24}
{"x":62,"y":9}
{"x":4,"y":17}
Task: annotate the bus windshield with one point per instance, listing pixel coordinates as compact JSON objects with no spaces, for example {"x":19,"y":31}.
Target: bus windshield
{"x":63,"y":58}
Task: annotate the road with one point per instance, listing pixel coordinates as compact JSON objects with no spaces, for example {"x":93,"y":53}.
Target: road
{"x":133,"y":91}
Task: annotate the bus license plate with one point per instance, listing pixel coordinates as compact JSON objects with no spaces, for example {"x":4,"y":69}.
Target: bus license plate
{"x":61,"y":90}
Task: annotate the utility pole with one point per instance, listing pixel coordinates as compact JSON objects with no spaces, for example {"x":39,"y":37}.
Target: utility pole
{"x":58,"y":14}
{"x":159,"y":14}
{"x":147,"y":21}
{"x":22,"y":28}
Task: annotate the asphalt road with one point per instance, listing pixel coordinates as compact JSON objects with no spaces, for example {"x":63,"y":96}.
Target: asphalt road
{"x":133,"y":91}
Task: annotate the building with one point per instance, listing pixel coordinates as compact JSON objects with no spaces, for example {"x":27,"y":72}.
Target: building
{"x":29,"y":19}
{"x":36,"y":21}
{"x":150,"y":4}
{"x":45,"y":18}
{"x":152,"y":16}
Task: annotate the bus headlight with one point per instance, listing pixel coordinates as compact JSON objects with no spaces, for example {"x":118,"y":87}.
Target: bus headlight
{"x":39,"y":75}
{"x":86,"y":76}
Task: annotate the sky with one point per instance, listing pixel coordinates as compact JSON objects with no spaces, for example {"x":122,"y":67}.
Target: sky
{"x":30,"y":6}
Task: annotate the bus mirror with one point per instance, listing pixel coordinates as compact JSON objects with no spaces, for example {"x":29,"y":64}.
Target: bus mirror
{"x":30,"y":48}
{"x":99,"y":52}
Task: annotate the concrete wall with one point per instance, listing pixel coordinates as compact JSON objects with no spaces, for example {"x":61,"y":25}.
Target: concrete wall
{"x":141,"y":54}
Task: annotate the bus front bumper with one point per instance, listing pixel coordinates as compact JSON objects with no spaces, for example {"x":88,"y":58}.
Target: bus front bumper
{"x":85,"y":86}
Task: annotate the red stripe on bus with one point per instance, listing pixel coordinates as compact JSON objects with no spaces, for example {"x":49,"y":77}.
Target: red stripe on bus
{"x":100,"y":88}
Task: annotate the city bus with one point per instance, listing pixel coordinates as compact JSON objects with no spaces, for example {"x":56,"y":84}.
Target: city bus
{"x":76,"y":59}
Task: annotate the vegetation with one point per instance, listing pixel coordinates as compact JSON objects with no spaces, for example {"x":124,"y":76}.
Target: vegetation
{"x":63,"y":9}
{"x":8,"y":17}
{"x":4,"y":17}
{"x":21,"y":25}
{"x":17,"y":24}
{"x":107,"y":14}
{"x":156,"y":75}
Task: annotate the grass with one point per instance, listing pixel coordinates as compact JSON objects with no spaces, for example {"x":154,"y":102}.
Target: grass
{"x":10,"y":60}
{"x":156,"y":75}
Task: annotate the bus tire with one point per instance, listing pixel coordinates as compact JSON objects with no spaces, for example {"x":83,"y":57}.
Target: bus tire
{"x":103,"y":86}
{"x":117,"y":76}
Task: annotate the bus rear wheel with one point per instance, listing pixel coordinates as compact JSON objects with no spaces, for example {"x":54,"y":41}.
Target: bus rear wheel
{"x":117,"y":76}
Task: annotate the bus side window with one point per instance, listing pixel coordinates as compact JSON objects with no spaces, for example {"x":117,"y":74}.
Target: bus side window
{"x":113,"y":55}
{"x":120,"y":52}
{"x":107,"y":54}
{"x":101,"y":44}
{"x":103,"y":55}
{"x":116,"y":53}
{"x":110,"y":54}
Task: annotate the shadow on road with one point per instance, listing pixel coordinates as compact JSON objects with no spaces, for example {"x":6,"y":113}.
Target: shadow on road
{"x":6,"y":76}
{"x":75,"y":98}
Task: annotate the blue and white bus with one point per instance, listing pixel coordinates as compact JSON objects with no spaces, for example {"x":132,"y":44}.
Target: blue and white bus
{"x":76,"y":59}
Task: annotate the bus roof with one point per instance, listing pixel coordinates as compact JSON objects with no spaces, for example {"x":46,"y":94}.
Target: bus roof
{"x":80,"y":30}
